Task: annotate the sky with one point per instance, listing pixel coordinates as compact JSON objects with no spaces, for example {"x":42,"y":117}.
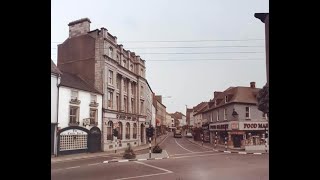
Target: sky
{"x":192,"y":48}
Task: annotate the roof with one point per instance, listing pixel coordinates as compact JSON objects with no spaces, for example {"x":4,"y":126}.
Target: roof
{"x":74,"y":81}
{"x":79,"y":21}
{"x":203,"y":108}
{"x":238,"y":94}
{"x":54,"y":68}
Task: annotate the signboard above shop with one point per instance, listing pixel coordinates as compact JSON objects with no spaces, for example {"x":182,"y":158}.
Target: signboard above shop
{"x":241,"y":125}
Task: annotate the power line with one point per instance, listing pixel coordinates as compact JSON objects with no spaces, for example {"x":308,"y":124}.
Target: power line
{"x":203,"y":40}
{"x":180,"y":47}
{"x":205,"y":53}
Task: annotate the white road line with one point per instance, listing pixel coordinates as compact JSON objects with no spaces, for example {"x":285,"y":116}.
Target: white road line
{"x":72,"y":167}
{"x":227,"y":151}
{"x":142,"y":159}
{"x":166,"y":153}
{"x":182,"y":147}
{"x":192,"y":153}
{"x":242,"y":152}
{"x":126,"y":160}
{"x":154,"y":167}
{"x":105,"y":161}
{"x":199,"y":155}
{"x":164,"y":140}
{"x":148,"y":175}
{"x":93,"y":164}
{"x":257,"y":153}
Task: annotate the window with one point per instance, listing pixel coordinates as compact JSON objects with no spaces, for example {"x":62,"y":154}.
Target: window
{"x":264,"y":115}
{"x":131,"y":67}
{"x":118,"y":102}
{"x":120,"y":130}
{"x":125,"y":104}
{"x":110,"y":76}
{"x":117,"y":57}
{"x":135,"y":130}
{"x":247,"y":112}
{"x":74,"y":115}
{"x":74,"y":94}
{"x":127,"y":131}
{"x":93,"y":116}
{"x":109,"y":130}
{"x":141,"y":72}
{"x":172,"y":121}
{"x":132,"y":105}
{"x":217,"y":115}
{"x":226,"y":99}
{"x":141,"y":91}
{"x":118,"y":83}
{"x":141,"y":107}
{"x":132,"y":88}
{"x":110,"y":52}
{"x":110,"y":98}
{"x":124,"y":63}
{"x":225,"y":114}
{"x":124,"y":85}
{"x":93,"y":98}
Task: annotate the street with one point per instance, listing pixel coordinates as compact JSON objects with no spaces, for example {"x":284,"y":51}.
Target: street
{"x":186,"y":161}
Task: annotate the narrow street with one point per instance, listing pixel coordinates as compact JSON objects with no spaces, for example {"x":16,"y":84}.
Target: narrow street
{"x":186,"y":161}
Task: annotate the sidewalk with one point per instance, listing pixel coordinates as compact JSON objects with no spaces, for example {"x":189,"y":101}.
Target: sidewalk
{"x":102,"y":154}
{"x":221,"y":148}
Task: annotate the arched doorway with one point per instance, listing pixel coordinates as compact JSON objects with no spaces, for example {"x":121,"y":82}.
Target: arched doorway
{"x":142,"y":130}
{"x":72,"y":139}
{"x":94,"y":140}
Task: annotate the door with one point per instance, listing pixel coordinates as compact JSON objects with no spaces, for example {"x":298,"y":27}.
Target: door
{"x":237,"y":141}
{"x":94,"y":140}
{"x":52,"y":138}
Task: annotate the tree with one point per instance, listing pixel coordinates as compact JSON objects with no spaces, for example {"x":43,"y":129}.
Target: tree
{"x":263,"y":99}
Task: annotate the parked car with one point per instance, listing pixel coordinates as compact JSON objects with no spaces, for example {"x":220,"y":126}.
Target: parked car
{"x":177,"y":133}
{"x":189,"y":135}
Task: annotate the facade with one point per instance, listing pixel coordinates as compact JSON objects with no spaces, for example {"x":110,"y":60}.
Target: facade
{"x":80,"y":116}
{"x":149,"y":103}
{"x":118,"y":73}
{"x":179,"y":119}
{"x":160,"y":115}
{"x":55,"y":81}
{"x":197,"y":115}
{"x":233,"y":114}
{"x":169,"y":122}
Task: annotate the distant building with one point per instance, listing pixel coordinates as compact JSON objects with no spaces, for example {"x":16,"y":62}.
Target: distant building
{"x":234,"y":114}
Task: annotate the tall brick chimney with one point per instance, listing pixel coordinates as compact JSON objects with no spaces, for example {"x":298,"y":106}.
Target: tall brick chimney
{"x":79,"y":27}
{"x":253,"y":84}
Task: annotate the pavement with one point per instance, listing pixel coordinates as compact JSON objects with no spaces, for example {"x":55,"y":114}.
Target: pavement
{"x":187,"y":161}
{"x":108,"y":154}
{"x":221,"y":148}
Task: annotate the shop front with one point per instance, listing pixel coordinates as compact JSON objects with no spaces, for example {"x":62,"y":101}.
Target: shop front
{"x":240,"y":135}
{"x":206,"y":133}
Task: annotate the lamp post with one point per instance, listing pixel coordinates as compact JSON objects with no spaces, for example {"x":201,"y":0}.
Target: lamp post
{"x":265,"y":138}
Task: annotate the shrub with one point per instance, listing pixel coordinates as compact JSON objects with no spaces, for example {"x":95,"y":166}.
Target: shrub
{"x":129,"y":153}
{"x":156,"y":149}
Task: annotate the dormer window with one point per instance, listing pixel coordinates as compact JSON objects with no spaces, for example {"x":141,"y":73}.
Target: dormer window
{"x":226,"y":99}
{"x":131,"y":67}
{"x":124,"y":63}
{"x":110,"y":52}
{"x":93,"y":98}
{"x":74,"y":94}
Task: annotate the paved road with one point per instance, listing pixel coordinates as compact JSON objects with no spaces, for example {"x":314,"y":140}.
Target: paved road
{"x":187,"y":161}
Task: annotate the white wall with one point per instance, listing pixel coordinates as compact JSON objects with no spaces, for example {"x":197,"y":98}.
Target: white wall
{"x":54,"y":96}
{"x":184,"y":121}
{"x":85,"y":98}
{"x":153,"y":120}
{"x":191,"y":119}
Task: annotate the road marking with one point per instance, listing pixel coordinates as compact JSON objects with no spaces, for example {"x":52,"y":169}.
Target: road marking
{"x":126,"y":160}
{"x":181,"y":146}
{"x":199,"y":155}
{"x":72,"y":167}
{"x":191,"y":153}
{"x":227,"y":151}
{"x":105,"y":161}
{"x":154,"y":167}
{"x":257,"y":153}
{"x":157,"y":158}
{"x":242,"y":152}
{"x":77,"y":159}
{"x":142,"y":159}
{"x":166,"y":153}
{"x":93,"y":164}
{"x":148,"y":175}
{"x":164,"y":140}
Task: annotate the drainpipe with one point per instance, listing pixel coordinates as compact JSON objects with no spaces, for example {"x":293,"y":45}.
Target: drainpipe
{"x":55,"y":131}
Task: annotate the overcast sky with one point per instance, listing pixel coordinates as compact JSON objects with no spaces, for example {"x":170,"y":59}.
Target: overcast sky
{"x":201,"y":30}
